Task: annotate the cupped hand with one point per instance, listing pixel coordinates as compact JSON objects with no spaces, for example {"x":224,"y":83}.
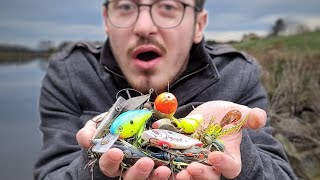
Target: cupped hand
{"x":226,"y":163}
{"x":110,"y":161}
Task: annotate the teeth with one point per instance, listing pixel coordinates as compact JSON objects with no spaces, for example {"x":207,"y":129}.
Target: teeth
{"x":147,"y":56}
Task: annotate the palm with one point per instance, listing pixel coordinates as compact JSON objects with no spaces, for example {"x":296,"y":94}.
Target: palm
{"x":222,"y":121}
{"x":231,"y":164}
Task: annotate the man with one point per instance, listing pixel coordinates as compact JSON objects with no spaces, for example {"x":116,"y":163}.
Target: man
{"x":152,"y":44}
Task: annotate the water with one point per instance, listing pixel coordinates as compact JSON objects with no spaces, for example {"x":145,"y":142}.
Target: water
{"x":19,"y":118}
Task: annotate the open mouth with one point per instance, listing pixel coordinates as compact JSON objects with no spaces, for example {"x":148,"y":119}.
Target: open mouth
{"x":147,"y":56}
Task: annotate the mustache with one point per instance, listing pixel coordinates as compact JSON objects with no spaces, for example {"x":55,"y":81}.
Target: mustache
{"x":146,"y":41}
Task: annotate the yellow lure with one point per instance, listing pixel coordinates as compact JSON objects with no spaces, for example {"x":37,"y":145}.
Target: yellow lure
{"x":189,"y":123}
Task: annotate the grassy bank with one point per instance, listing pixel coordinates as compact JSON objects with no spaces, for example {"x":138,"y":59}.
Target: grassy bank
{"x":291,"y":74}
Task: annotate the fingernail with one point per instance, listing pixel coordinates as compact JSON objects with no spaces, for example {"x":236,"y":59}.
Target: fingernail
{"x":216,"y":160}
{"x":144,"y":167}
{"x":254,"y":124}
{"x":196,"y":172}
{"x":114,"y":156}
{"x":160,"y":176}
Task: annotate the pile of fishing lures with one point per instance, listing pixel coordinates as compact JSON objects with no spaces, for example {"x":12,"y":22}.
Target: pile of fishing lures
{"x":169,"y":141}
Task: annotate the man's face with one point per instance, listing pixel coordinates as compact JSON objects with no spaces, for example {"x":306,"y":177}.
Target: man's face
{"x":150,"y":56}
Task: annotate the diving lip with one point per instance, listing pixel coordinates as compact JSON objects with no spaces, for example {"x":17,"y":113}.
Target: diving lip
{"x":145,"y":65}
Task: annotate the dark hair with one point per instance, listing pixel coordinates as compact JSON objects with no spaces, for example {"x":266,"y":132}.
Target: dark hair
{"x":200,"y":4}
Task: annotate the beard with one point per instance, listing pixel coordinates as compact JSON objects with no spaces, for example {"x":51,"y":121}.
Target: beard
{"x":156,"y":79}
{"x":147,"y":81}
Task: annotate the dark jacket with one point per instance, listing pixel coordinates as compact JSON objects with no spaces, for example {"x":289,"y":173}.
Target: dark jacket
{"x":83,"y":81}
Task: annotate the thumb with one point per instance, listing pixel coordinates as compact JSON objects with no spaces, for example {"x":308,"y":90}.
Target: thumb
{"x":85,"y":134}
{"x":257,"y":118}
{"x":230,"y":167}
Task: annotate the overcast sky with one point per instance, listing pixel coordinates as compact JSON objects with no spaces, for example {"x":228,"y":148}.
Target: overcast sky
{"x":29,"y":21}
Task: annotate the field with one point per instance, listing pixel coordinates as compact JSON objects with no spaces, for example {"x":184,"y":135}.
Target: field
{"x":291,"y":74}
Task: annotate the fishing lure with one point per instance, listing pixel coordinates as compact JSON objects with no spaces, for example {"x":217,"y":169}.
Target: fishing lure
{"x":173,"y":142}
{"x":186,"y":125}
{"x":166,"y":104}
{"x":169,"y":139}
{"x":126,"y":125}
{"x":211,"y":134}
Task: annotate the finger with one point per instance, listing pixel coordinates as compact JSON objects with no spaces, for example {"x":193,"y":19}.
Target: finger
{"x":140,"y":170}
{"x":257,"y":118}
{"x":228,"y":166}
{"x":85,"y":134}
{"x":182,"y":175}
{"x":160,"y":173}
{"x":218,"y":109}
{"x":200,"y":171}
{"x":110,"y":162}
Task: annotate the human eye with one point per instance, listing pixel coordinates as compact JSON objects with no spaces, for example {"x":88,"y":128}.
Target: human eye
{"x":125,"y":7}
{"x":167,"y":6}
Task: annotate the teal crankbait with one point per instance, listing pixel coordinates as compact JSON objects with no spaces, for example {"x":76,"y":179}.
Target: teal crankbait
{"x":124,"y":126}
{"x":128,"y":123}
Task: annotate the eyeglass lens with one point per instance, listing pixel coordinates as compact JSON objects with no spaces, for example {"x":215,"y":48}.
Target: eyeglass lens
{"x":164,"y":13}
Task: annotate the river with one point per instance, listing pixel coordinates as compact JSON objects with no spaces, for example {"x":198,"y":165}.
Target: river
{"x":19,"y":118}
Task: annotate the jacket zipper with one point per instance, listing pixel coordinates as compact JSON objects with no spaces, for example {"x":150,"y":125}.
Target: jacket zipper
{"x":190,"y":74}
{"x":112,"y":72}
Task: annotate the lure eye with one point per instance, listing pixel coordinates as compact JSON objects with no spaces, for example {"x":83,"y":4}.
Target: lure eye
{"x":120,"y":128}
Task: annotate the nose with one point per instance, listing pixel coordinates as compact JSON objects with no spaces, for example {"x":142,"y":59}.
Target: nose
{"x":144,"y":26}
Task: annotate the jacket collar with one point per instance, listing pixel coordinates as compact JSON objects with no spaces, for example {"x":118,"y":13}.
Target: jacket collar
{"x":199,"y":58}
{"x":108,"y":61}
{"x":199,"y":62}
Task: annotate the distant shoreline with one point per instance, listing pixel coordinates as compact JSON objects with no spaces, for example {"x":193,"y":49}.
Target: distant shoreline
{"x":22,"y":56}
{"x":17,"y":53}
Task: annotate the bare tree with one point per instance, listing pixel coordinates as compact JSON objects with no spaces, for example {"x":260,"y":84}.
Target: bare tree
{"x":288,"y":26}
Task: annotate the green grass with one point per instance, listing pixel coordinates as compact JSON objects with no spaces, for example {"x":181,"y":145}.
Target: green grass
{"x":309,"y":41}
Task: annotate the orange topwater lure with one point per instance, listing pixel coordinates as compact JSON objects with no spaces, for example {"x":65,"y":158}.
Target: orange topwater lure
{"x":166,"y":103}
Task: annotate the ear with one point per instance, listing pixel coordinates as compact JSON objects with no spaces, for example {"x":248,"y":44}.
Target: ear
{"x":201,"y":23}
{"x":105,"y":19}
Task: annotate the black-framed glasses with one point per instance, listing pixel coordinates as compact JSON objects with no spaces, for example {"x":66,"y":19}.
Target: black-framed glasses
{"x":164,"y":13}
